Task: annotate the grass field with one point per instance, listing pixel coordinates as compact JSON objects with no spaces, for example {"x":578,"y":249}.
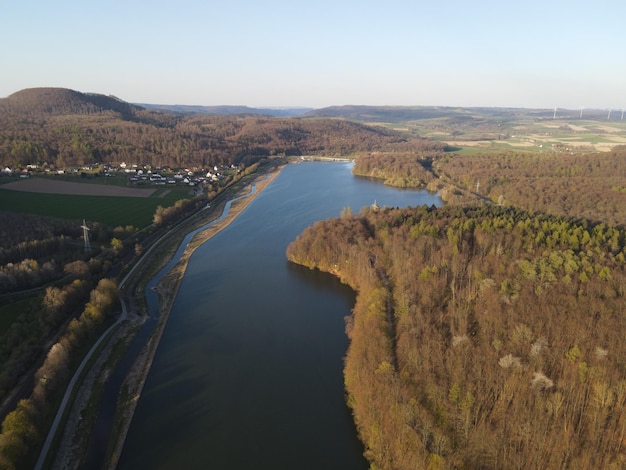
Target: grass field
{"x":110,"y":210}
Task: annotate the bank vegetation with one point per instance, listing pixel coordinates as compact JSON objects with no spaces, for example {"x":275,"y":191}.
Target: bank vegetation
{"x":483,"y":337}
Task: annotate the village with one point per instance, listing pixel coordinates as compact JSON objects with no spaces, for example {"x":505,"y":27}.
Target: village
{"x":134,"y":174}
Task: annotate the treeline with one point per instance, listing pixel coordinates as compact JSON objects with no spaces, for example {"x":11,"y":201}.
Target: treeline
{"x":72,"y":131}
{"x":25,"y":428}
{"x":582,"y":185}
{"x":36,"y":250}
{"x":41,"y":318}
{"x":26,"y":274}
{"x":483,"y":337}
{"x":402,"y":170}
{"x":28,"y":236}
{"x":166,"y":215}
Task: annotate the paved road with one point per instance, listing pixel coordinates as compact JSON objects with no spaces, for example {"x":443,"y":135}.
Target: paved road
{"x":72,"y":384}
{"x":75,"y":379}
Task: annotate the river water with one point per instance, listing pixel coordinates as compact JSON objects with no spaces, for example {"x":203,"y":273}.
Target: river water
{"x":248,"y":374}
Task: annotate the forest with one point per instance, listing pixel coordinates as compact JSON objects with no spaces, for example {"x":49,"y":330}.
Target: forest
{"x":482,"y":337}
{"x":62,"y":128}
{"x":586,"y":185}
{"x":589,"y":185}
{"x":487,"y":333}
{"x":399,"y":169}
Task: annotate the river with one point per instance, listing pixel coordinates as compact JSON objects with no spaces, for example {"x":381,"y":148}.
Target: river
{"x":248,"y":374}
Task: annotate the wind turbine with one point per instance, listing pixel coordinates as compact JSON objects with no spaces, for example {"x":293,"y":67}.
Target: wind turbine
{"x":86,"y":236}
{"x":609,"y":116}
{"x":581,"y":112}
{"x":554,"y":115}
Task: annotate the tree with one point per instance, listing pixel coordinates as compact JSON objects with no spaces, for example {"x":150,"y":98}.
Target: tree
{"x":117,"y":244}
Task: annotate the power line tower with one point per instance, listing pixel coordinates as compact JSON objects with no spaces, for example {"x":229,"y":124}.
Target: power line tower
{"x":86,"y":236}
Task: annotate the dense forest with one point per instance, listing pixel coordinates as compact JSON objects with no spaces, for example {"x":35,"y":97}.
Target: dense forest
{"x":402,"y":170}
{"x":590,"y":186}
{"x":65,"y":128}
{"x":585,"y":185}
{"x":484,"y":337}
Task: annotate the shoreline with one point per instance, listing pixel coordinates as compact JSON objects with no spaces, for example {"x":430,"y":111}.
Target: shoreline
{"x":72,"y":446}
{"x":167,"y":289}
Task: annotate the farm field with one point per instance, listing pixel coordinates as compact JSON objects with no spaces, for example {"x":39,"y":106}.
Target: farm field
{"x":468,"y":131}
{"x":52,"y":186}
{"x":78,"y":201}
{"x":567,"y":135}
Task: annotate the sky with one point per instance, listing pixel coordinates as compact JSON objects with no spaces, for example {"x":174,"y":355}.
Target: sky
{"x":278,"y":53}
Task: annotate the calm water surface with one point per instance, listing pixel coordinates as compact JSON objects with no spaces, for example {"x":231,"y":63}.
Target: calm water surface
{"x":248,"y":374}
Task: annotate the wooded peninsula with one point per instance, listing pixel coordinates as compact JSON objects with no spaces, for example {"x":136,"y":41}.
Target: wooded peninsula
{"x":487,"y":333}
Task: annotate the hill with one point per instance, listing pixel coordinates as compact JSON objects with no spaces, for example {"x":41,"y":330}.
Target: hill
{"x":496,"y":129}
{"x":395,"y":114}
{"x":62,"y":101}
{"x":228,"y":110}
{"x":63,"y":128}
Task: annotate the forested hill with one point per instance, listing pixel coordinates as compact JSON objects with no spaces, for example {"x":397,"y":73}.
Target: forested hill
{"x":38,"y":102}
{"x":482,"y":338}
{"x":64,"y":128}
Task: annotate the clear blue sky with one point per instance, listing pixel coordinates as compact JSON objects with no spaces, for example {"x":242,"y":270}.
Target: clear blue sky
{"x":533,"y":53}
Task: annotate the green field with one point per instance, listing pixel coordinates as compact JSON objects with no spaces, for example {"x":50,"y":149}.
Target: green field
{"x":109,"y":210}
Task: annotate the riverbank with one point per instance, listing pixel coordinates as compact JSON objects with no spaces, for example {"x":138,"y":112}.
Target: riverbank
{"x":167,"y":289}
{"x":71,"y":448}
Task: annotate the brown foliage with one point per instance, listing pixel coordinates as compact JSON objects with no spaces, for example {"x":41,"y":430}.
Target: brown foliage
{"x":23,"y":429}
{"x":404,"y":170}
{"x":66,"y":128}
{"x":478,"y":343}
{"x":589,"y":186}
